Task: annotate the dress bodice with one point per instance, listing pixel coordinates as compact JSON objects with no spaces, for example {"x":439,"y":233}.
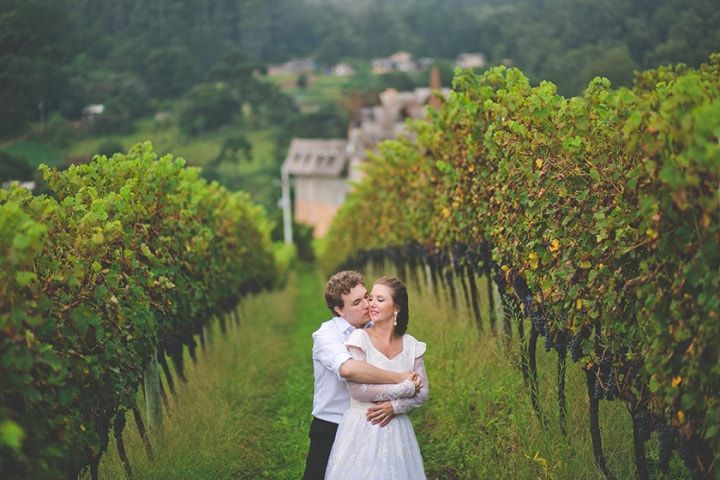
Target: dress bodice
{"x":405,"y":360}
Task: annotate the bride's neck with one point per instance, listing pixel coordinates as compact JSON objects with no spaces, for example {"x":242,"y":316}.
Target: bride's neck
{"x":384,"y":331}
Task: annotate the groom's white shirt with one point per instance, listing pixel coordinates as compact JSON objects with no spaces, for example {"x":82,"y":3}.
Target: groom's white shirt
{"x":330,"y":399}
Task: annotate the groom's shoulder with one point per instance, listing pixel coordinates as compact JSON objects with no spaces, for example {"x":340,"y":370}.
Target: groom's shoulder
{"x":325,"y":327}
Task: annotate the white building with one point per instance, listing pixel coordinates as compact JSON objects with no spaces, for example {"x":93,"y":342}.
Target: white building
{"x":319,"y":169}
{"x":470,"y":60}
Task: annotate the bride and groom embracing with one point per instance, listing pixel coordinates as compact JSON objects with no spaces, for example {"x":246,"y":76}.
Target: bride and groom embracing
{"x":368,"y":374}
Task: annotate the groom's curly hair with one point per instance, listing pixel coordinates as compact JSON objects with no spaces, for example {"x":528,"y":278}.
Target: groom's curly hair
{"x":339,"y":284}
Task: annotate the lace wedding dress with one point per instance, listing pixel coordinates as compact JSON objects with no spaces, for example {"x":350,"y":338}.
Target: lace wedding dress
{"x":363,"y":451}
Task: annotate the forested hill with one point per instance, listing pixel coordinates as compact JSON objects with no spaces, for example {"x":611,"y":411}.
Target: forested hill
{"x":49,"y":48}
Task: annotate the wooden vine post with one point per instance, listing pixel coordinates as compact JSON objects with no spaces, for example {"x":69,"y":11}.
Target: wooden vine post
{"x":153,"y":398}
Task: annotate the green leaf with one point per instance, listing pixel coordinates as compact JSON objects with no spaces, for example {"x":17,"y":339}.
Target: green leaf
{"x":24,"y":278}
{"x":21,"y":241}
{"x":11,"y":435}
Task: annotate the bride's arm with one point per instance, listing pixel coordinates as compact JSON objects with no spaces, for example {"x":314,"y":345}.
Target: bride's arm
{"x":402,"y":405}
{"x":377,"y":392}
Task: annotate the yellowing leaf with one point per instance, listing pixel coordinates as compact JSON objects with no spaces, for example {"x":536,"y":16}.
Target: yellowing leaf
{"x":676,"y":380}
{"x":578,"y":304}
{"x":680,"y":416}
{"x":539,"y":163}
{"x":554,"y":245}
{"x":705,"y":220}
{"x":533,"y":260}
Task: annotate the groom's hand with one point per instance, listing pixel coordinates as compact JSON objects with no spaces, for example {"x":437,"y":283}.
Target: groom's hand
{"x":380,"y":413}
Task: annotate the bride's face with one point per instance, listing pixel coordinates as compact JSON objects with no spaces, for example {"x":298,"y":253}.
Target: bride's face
{"x":382,"y":306}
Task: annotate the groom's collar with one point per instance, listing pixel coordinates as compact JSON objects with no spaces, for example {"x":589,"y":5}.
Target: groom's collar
{"x":342,"y":324}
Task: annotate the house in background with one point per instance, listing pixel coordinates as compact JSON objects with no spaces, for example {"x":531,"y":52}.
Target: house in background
{"x":293,"y":66}
{"x":90,"y":113}
{"x":397,"y":62}
{"x":323,"y":171}
{"x":343,"y":70}
{"x":470,"y":60}
{"x":387,"y":120}
{"x":320,"y":170}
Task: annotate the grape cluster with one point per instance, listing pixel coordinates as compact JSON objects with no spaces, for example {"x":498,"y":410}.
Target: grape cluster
{"x":549,"y":342}
{"x":610,"y":383}
{"x":536,"y":317}
{"x":576,"y":345}
{"x":608,"y":379}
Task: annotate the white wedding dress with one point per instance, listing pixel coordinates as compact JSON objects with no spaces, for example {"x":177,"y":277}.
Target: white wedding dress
{"x":363,"y":451}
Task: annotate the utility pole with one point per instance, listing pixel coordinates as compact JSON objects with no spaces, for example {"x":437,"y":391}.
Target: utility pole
{"x":286,"y":205}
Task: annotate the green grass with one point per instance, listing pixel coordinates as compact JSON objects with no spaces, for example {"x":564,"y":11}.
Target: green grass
{"x":254,"y":175}
{"x":245,"y":411}
{"x":197,"y":150}
{"x":34,"y":153}
{"x":321,"y":89}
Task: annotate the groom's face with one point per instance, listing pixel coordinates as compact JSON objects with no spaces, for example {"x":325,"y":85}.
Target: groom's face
{"x":355,"y":306}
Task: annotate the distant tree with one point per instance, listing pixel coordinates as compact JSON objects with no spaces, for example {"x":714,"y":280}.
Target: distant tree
{"x":302,"y":81}
{"x":57,"y":132}
{"x":207,"y":107}
{"x":110,"y":147}
{"x":615,"y":63}
{"x":32,"y":52}
{"x":399,"y":80}
{"x":231,"y":147}
{"x":170,"y":71}
{"x":328,"y":122}
{"x":235,"y":67}
{"x":14,"y":168}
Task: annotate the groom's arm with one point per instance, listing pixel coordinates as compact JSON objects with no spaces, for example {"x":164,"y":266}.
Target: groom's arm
{"x":334,"y":356}
{"x":362,"y":372}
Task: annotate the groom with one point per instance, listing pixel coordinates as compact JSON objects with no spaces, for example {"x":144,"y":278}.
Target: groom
{"x":346,"y":297}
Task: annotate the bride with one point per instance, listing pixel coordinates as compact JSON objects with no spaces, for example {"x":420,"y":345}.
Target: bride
{"x":375,"y":439}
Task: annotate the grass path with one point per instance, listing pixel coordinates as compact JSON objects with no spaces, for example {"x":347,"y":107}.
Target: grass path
{"x":245,"y":411}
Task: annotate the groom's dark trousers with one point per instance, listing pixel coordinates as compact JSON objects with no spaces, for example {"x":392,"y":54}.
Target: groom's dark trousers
{"x":322,"y":436}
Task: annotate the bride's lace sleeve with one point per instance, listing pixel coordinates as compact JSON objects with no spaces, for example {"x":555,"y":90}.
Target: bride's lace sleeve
{"x":376,"y":392}
{"x":402,"y":405}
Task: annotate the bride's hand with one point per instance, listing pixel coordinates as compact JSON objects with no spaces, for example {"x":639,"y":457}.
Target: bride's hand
{"x":416,"y":379}
{"x":380,"y":413}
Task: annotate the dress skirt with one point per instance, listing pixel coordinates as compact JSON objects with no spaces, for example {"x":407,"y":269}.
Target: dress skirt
{"x":363,"y":451}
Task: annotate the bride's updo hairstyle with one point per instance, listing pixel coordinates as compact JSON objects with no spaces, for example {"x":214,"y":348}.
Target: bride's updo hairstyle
{"x":400,"y":298}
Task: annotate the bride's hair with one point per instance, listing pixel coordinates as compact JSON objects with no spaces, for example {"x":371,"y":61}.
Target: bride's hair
{"x":400,"y":298}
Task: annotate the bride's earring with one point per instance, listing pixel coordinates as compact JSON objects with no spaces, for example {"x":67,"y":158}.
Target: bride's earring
{"x":395,"y":319}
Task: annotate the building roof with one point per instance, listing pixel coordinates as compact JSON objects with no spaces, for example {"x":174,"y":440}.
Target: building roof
{"x":317,"y":158}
